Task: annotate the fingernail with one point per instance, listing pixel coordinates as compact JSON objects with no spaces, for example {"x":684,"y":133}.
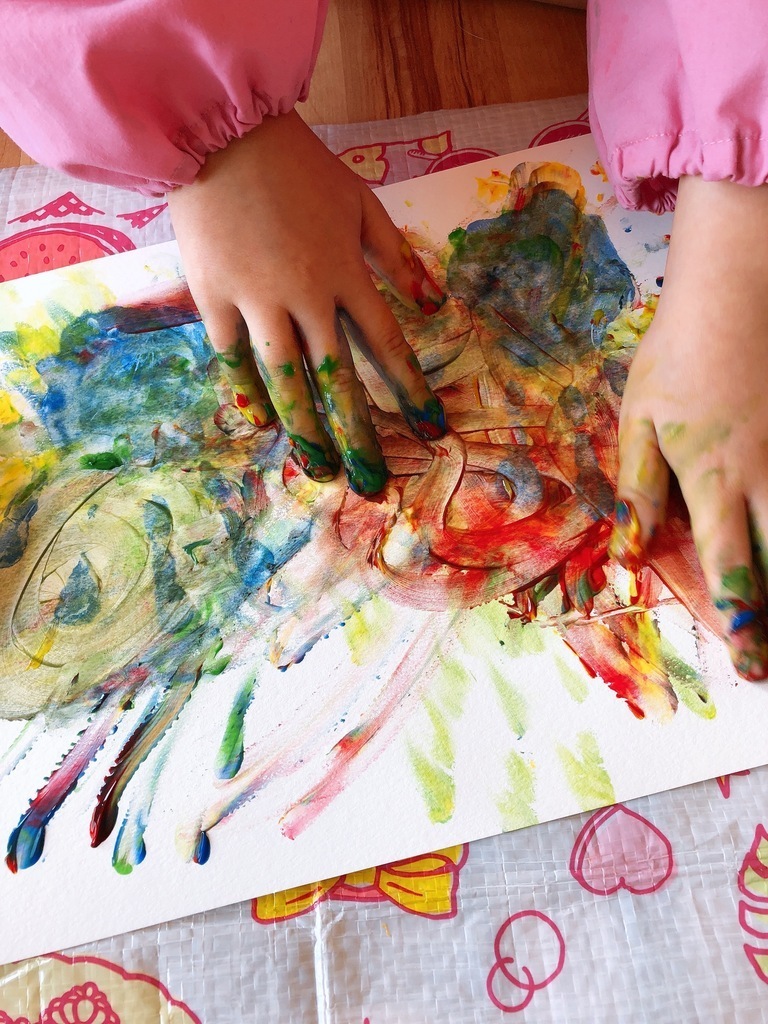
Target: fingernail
{"x":745,"y":637}
{"x":624,"y":546}
{"x":425,"y":291}
{"x":317,"y":463}
{"x":428,"y":421}
{"x":367,"y":476}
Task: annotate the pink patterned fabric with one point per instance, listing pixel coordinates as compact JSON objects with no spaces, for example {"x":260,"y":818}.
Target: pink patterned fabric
{"x":678,"y":87}
{"x":137,"y":93}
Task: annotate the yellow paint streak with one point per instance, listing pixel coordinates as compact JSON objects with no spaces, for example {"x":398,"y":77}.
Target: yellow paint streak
{"x":38,"y":658}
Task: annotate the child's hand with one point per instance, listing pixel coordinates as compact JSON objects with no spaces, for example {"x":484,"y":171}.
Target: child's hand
{"x":274,"y":234}
{"x":695,"y":403}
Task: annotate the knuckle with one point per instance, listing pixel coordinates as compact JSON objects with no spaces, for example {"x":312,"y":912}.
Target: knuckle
{"x":345,"y":381}
{"x":389,"y":341}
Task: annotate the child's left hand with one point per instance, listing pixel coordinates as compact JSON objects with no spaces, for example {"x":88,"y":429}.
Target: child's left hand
{"x":695,"y":403}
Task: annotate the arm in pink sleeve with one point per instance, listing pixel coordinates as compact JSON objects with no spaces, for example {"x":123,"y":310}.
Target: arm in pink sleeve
{"x":678,"y":87}
{"x":136,"y":93}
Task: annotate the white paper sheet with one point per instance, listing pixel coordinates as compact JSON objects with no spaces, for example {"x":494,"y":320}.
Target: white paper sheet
{"x":426,"y":728}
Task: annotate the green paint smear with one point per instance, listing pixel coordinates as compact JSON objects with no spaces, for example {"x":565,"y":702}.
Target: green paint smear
{"x":672,"y":432}
{"x":437,"y":786}
{"x":232,"y":357}
{"x":513,"y":703}
{"x":490,"y":629}
{"x":516,"y":803}
{"x":740,"y":582}
{"x":365,"y":628}
{"x":230,"y":756}
{"x":367,"y":473}
{"x":587,"y":778}
{"x":688,"y":685}
{"x":288,"y":370}
{"x":213,"y":665}
{"x":433,"y":766}
{"x":101,"y":460}
{"x":328,"y":366}
{"x":192,"y":547}
{"x":573,"y":681}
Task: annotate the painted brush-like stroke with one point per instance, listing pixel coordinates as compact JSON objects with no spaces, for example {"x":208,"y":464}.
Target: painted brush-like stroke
{"x":152,"y":540}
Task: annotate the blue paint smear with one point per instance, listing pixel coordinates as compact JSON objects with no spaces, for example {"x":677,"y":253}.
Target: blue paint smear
{"x":80,"y":597}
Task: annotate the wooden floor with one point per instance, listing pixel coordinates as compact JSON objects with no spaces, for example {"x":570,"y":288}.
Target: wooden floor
{"x":390,"y":58}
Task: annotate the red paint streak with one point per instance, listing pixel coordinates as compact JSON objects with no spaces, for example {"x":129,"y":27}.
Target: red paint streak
{"x":242,"y":401}
{"x":343,"y":758}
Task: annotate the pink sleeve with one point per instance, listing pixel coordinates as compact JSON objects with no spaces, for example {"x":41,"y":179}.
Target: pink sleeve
{"x":678,"y":87}
{"x":137,"y":92}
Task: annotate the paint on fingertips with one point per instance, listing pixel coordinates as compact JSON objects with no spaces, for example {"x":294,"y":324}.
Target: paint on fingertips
{"x":312,"y":459}
{"x":427,"y":421}
{"x":367,"y":475}
{"x":625,"y":546}
{"x":256,"y":412}
{"x":425,"y":291}
{"x":746,"y":638}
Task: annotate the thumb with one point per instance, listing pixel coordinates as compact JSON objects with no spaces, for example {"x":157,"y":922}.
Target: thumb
{"x":642,"y":493}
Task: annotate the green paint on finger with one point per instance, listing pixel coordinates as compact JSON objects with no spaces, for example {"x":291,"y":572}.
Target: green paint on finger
{"x":319,"y":463}
{"x":739,"y":581}
{"x":328,"y":366}
{"x":367,"y":473}
{"x":288,"y":370}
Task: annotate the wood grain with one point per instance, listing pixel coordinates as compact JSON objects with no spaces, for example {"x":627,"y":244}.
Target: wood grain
{"x":391,"y":58}
{"x":10,"y":154}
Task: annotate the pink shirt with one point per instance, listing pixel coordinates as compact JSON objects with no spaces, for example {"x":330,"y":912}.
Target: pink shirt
{"x":137,"y":92}
{"x":678,"y":87}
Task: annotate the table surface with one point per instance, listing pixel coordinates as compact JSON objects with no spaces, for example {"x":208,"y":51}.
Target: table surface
{"x":392,"y":58}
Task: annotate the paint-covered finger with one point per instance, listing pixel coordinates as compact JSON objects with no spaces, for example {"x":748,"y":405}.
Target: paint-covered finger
{"x":250,"y":395}
{"x":376,"y":332}
{"x":642,"y":491}
{"x":395,"y":261}
{"x":721,"y":532}
{"x":229,"y":338}
{"x":328,"y":354}
{"x":279,"y":361}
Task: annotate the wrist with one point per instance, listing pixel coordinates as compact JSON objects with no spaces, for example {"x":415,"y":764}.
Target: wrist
{"x":719,"y":247}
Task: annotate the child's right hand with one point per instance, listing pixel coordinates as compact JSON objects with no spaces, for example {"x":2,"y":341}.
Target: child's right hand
{"x":695,"y":403}
{"x":274,"y":234}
